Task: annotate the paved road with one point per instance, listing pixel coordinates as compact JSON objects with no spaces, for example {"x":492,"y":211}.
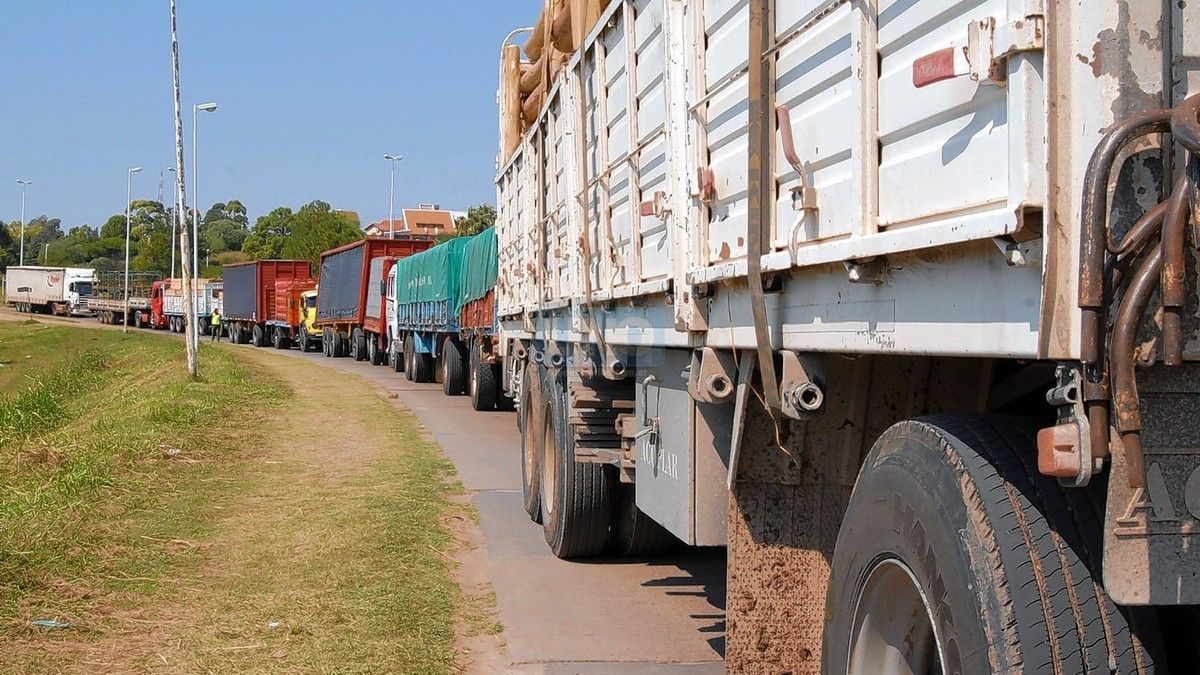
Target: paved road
{"x":661,"y":616}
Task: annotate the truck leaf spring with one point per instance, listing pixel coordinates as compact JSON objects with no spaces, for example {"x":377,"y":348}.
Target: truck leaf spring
{"x":1151,"y":256}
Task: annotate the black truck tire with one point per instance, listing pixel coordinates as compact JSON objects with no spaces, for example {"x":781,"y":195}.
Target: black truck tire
{"x":396,"y":357}
{"x":359,"y":346}
{"x":409,"y":367}
{"x":258,"y":336}
{"x":576,"y":497}
{"x":338,"y":348}
{"x":531,"y":422}
{"x":635,"y":534}
{"x":454,"y":368}
{"x":302,"y":339}
{"x":423,"y":367}
{"x":956,"y":547}
{"x":374,"y":353}
{"x":482,"y":384}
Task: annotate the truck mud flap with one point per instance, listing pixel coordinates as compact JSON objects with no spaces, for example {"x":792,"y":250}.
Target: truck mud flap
{"x":1152,"y":533}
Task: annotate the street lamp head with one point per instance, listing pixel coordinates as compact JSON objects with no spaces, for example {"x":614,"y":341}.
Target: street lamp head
{"x":22,"y":181}
{"x":207,"y":107}
{"x":393,"y":158}
{"x":135,"y":169}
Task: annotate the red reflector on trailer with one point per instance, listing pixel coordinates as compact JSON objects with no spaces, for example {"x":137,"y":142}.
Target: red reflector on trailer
{"x":646,"y":209}
{"x":935,"y":67}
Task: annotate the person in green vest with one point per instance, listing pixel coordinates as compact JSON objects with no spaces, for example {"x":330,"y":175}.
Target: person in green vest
{"x":215,"y":333}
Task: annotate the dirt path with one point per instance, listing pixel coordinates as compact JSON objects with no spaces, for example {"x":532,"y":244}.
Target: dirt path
{"x":333,"y":554}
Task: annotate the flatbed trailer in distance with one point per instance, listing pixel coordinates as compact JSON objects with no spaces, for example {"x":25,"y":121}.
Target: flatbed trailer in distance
{"x":108,"y":303}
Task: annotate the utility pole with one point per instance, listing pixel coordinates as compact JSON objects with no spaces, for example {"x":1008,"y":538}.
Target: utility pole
{"x":206,"y":107}
{"x":185,"y":244}
{"x":128,"y":200}
{"x":392,"y":159}
{"x":23,"y":183}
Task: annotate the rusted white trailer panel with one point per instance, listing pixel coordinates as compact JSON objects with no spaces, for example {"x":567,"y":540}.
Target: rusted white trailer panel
{"x":637,"y":170}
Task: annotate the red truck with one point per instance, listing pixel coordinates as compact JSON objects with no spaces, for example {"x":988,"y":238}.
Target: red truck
{"x":350,"y":299}
{"x":262,"y":303}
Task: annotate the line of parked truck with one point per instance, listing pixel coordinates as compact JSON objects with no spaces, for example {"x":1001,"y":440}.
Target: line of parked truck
{"x":426,"y":311}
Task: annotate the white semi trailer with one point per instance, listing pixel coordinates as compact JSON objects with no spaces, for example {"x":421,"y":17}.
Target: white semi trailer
{"x":48,"y":290}
{"x":897,"y":299}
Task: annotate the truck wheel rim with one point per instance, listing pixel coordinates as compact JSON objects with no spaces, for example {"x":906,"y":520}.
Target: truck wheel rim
{"x":893,"y":631}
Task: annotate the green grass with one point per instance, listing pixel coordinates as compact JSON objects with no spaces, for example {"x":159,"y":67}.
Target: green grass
{"x":29,"y":348}
{"x":83,"y":444}
{"x":285,"y":531}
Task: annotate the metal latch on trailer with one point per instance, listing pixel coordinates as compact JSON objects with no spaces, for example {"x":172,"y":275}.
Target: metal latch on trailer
{"x":985,"y":55}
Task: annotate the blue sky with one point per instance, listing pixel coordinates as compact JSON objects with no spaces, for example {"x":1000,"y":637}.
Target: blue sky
{"x":311,"y":94}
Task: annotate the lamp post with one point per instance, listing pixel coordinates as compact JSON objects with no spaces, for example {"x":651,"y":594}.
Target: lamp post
{"x":392,"y":159}
{"x":23,"y":183}
{"x":205,"y":107}
{"x":128,"y":199}
{"x":174,"y":221}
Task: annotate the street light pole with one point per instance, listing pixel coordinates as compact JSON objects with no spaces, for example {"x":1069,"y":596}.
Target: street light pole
{"x":206,"y":107}
{"x":392,"y":159}
{"x":22,"y":182}
{"x":128,"y":199}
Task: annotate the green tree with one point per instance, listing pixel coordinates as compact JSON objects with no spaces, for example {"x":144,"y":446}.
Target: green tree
{"x":224,"y":227}
{"x":8,"y":246}
{"x":83,"y":233}
{"x":113,"y":227}
{"x":478,"y":219}
{"x":316,"y":229}
{"x":265,"y":242}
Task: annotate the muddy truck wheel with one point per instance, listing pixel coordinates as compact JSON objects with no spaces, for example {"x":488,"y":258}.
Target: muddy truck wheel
{"x":454,"y":368}
{"x":956,"y":548}
{"x":531,"y":421}
{"x":576,"y":496}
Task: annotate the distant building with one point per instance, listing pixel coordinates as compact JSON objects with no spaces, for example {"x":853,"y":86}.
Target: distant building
{"x":382,"y":228}
{"x":427,"y":220}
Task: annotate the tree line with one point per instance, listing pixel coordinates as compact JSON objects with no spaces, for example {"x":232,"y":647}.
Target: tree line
{"x":225,"y":236}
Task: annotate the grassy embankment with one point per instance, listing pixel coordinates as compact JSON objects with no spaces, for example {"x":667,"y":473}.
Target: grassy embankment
{"x":214,"y":525}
